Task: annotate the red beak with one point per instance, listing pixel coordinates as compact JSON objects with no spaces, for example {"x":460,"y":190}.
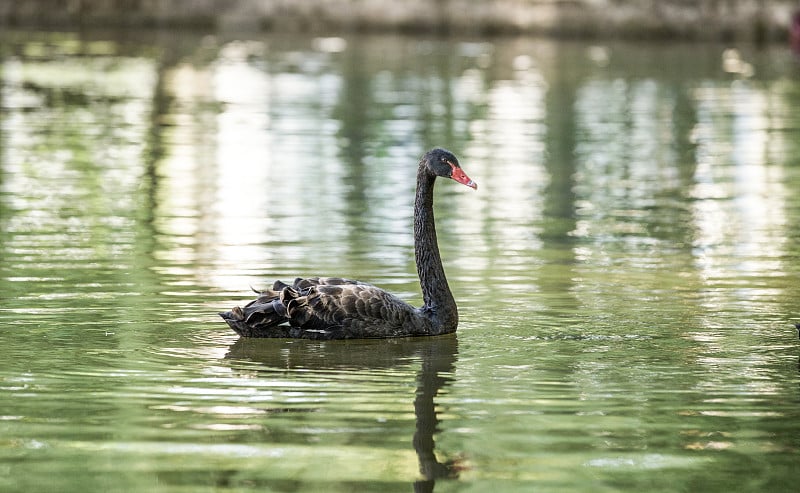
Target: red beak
{"x":461,"y":177}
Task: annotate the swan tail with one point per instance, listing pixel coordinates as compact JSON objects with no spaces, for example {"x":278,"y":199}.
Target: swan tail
{"x":271,"y":314}
{"x":262,"y":316}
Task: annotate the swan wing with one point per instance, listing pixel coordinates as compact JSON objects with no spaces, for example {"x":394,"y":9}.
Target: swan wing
{"x":343,"y":311}
{"x":325,"y":308}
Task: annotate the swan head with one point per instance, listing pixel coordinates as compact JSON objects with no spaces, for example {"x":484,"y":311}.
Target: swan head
{"x":444,"y":163}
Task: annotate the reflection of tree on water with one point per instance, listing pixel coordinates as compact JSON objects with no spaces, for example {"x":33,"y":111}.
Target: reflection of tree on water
{"x":436,"y":354}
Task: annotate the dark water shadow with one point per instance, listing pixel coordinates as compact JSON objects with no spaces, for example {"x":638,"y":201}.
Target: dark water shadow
{"x":437,"y":357}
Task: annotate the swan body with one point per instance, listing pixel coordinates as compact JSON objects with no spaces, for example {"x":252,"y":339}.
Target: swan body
{"x":336,"y":308}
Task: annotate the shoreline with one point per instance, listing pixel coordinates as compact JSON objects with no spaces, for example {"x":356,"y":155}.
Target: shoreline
{"x":708,"y":20}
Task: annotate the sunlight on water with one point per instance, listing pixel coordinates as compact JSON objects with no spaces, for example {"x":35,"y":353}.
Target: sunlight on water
{"x":625,"y":272}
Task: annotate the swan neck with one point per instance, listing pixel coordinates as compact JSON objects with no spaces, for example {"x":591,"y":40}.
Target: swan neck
{"x":438,"y":300}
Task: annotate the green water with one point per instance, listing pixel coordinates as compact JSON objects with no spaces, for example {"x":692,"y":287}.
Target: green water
{"x":628,"y":271}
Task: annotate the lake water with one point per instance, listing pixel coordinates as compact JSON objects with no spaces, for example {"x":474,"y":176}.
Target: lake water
{"x":628,"y":271}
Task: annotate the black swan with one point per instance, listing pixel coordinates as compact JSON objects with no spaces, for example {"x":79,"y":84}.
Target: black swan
{"x":335,"y":308}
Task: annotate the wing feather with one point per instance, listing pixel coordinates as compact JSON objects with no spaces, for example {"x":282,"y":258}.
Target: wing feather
{"x":325,"y":308}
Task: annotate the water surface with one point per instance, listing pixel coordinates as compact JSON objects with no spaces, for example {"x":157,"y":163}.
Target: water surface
{"x":626,"y":272}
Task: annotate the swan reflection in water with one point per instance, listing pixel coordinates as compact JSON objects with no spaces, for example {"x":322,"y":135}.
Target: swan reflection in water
{"x":436,"y":356}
